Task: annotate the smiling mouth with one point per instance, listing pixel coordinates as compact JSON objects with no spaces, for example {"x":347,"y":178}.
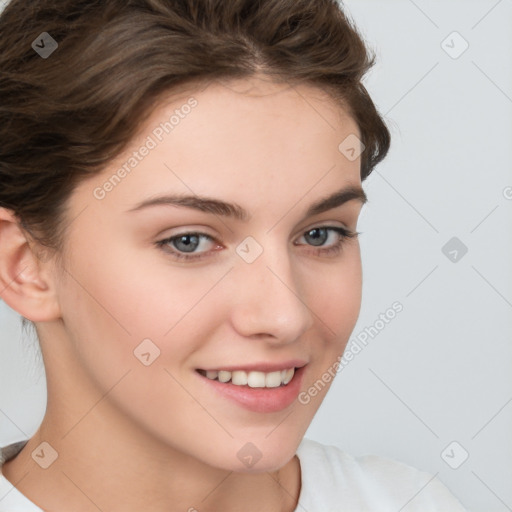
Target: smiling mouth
{"x":252,"y":379}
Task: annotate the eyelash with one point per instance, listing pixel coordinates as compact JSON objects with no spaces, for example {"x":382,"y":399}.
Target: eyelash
{"x":343,"y":233}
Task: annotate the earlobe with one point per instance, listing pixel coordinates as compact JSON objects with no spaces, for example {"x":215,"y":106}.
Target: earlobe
{"x":25,"y":282}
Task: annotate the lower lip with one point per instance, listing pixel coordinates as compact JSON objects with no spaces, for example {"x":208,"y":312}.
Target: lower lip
{"x":259,"y":399}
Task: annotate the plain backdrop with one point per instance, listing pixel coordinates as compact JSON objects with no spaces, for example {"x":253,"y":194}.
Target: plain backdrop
{"x":433,"y":386}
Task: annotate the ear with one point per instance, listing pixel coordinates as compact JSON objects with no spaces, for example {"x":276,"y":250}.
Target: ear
{"x":25,"y":281}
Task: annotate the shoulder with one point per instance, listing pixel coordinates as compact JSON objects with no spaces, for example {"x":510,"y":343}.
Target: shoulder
{"x":11,"y":499}
{"x":11,"y":450}
{"x":332,"y":478}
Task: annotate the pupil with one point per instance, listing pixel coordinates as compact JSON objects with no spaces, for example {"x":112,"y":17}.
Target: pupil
{"x":317,"y":238}
{"x":189,"y":245}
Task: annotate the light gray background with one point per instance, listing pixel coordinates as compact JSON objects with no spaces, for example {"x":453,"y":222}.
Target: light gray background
{"x":440,"y":371}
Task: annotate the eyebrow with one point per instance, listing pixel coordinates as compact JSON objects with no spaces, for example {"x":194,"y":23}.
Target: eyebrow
{"x":235,"y":211}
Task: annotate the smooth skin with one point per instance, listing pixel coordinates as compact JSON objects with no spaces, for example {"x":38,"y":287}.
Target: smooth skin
{"x":132,"y":437}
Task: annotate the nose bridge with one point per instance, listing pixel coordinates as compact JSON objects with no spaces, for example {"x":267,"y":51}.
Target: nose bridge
{"x":269,"y":298}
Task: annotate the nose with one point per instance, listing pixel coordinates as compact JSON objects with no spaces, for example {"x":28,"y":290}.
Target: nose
{"x":268,"y":300}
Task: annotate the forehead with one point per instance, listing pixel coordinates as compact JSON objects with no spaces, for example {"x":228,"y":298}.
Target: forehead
{"x":236,"y":139}
{"x":281,"y":120}
{"x":252,"y":101}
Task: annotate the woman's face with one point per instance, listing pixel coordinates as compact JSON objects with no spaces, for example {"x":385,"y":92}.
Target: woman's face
{"x":273,"y":289}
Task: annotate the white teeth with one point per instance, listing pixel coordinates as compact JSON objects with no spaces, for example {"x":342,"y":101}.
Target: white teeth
{"x":256,"y":379}
{"x":224,"y":376}
{"x":273,"y":379}
{"x":288,"y":375}
{"x":239,"y":378}
{"x":253,"y":379}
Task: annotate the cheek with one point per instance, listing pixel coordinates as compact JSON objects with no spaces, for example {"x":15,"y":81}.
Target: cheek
{"x":112,"y":301}
{"x":131,"y":292}
{"x":336,"y":305}
{"x":336,"y":293}
{"x":116,"y":308}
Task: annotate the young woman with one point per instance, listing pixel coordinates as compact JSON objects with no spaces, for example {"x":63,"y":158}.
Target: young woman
{"x":180,"y":185}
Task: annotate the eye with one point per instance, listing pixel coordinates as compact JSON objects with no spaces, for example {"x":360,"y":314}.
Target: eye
{"x":317,"y":237}
{"x":185,"y":246}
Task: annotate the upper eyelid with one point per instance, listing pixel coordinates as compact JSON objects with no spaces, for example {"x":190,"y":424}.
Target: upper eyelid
{"x":318,"y":225}
{"x":215,"y":240}
{"x":213,"y":237}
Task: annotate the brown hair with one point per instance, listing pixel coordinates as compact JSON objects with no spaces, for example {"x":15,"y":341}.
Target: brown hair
{"x":63,"y":118}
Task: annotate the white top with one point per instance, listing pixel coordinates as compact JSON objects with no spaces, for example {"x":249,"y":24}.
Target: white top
{"x":332,"y":481}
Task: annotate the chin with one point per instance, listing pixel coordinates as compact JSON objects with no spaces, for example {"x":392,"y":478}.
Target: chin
{"x":259,"y":456}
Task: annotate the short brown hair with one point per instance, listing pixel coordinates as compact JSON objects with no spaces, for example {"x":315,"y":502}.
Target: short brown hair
{"x":65,"y":117}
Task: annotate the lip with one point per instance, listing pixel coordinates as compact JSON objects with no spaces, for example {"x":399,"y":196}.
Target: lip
{"x":260,"y":400}
{"x":261,"y":367}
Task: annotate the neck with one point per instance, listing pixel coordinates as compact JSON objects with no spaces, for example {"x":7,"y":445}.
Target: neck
{"x":105,"y":464}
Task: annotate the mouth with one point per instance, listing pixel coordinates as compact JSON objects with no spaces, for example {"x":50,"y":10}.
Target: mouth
{"x":252,"y":379}
{"x":253,"y":389}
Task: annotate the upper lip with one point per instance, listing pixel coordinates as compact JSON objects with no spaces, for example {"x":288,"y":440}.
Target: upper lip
{"x":265,"y":367}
